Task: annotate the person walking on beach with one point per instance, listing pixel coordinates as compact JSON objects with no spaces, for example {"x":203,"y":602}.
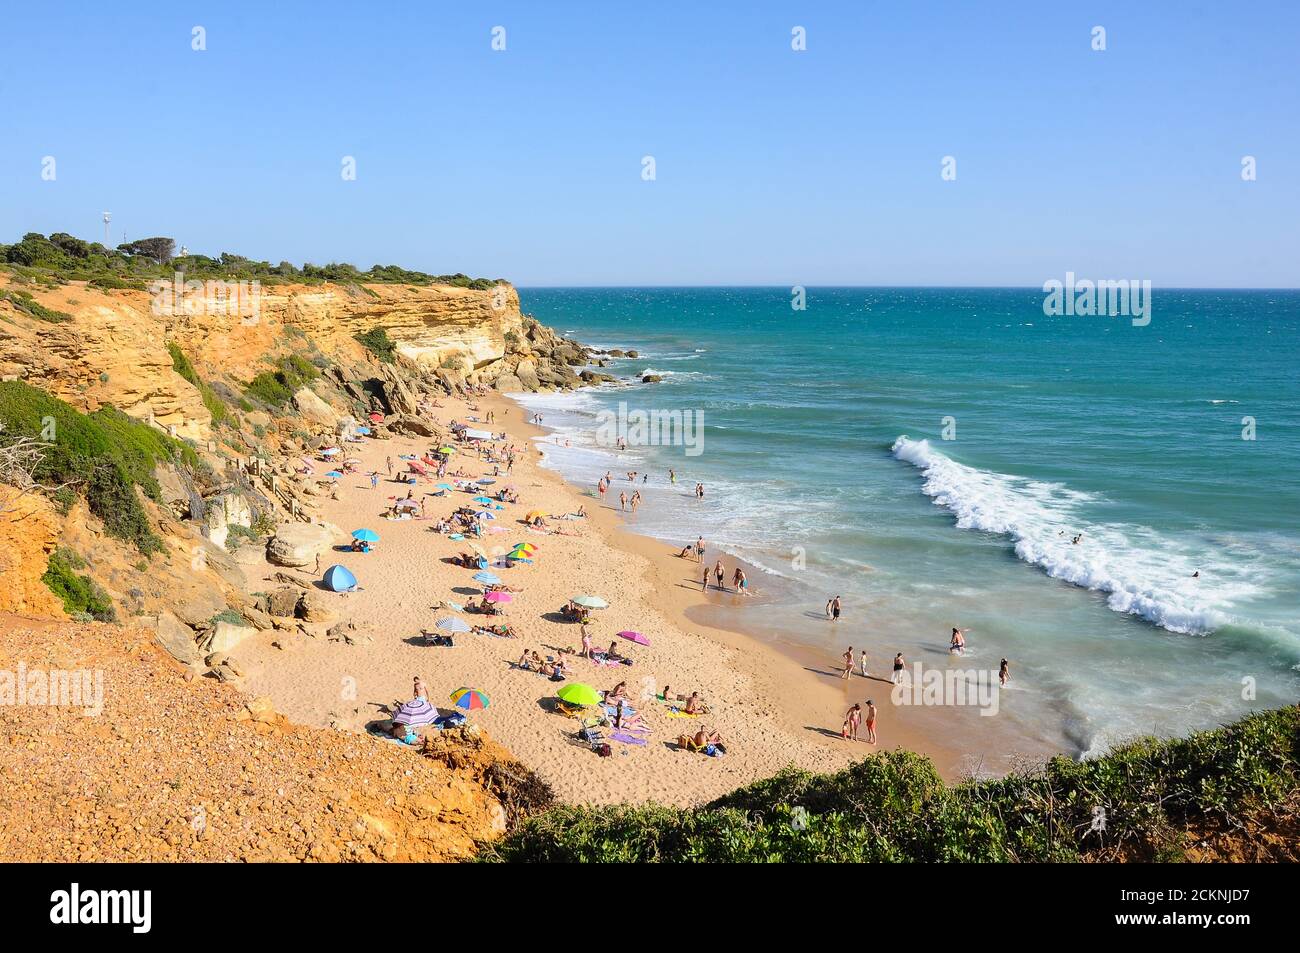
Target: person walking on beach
{"x":862,"y":662}
{"x":871,"y":722}
{"x":833,"y":609}
{"x":672,"y":476}
{"x":958,"y":644}
{"x":848,"y":664}
{"x":740,"y":581}
{"x":720,"y":574}
{"x":374,"y":480}
{"x":1004,"y":673}
{"x":699,"y":548}
{"x":389,"y":462}
{"x":852,"y":718}
{"x":898,"y":669}
{"x":622,"y":501}
{"x":704,"y":583}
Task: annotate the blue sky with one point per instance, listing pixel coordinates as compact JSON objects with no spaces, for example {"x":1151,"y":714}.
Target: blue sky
{"x":773,"y":166}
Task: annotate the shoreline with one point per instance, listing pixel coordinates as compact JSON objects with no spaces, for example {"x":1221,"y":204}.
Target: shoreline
{"x":770,"y":710}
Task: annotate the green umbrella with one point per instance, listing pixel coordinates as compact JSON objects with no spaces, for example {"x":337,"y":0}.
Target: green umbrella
{"x":576,"y":693}
{"x":591,"y":602}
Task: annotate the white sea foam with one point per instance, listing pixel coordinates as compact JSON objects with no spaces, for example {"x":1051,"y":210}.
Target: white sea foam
{"x":1143,"y":572}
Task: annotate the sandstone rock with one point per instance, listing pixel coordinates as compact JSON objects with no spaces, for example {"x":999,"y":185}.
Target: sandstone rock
{"x":650,"y":378}
{"x":310,"y":405}
{"x":508,"y":383}
{"x":526,"y":372}
{"x":413,"y":426}
{"x":314,"y":608}
{"x":225,"y":636}
{"x":281,"y":602}
{"x":298,"y":544}
{"x":178,"y":639}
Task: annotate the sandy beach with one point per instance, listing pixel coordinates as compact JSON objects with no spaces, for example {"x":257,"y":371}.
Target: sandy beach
{"x":772,"y":709}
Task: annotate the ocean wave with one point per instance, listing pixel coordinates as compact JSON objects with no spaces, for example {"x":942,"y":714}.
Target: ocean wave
{"x":1142,"y":572}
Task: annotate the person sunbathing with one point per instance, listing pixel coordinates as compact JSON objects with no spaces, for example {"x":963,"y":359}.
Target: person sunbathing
{"x":612,"y":654}
{"x":695,"y":706}
{"x":700,"y":740}
{"x":617,"y":693}
{"x":502,"y":587}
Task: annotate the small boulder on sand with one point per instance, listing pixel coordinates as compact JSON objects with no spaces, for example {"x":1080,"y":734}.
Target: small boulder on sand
{"x":298,"y":544}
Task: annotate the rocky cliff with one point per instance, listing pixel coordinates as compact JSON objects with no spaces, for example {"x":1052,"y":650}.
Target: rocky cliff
{"x":110,"y":346}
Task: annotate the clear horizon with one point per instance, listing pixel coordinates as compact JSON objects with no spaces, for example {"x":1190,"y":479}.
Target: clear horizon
{"x":821,"y":167}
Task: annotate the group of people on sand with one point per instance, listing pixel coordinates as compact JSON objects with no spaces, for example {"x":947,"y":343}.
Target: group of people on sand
{"x":739,"y":581}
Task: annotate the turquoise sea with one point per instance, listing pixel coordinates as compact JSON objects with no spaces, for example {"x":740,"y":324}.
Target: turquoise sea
{"x":825,"y":463}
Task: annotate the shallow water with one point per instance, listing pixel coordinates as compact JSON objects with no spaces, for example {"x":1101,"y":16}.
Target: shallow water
{"x":825,"y":463}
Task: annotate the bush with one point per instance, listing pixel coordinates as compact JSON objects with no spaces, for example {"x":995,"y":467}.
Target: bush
{"x":106,"y":456}
{"x":81,"y":596}
{"x":378,"y":343}
{"x":33,"y":308}
{"x":216,"y":407}
{"x":894,"y":807}
{"x":275,"y":387}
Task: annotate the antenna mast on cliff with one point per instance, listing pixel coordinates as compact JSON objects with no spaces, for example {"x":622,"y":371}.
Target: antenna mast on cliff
{"x":108,"y":217}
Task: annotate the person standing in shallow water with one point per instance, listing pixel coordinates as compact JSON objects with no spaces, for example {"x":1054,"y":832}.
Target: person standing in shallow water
{"x":1004,"y":672}
{"x":898,"y":669}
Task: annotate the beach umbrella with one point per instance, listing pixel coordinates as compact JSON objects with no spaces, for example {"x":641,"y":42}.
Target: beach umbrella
{"x":533,"y":514}
{"x":416,"y":712}
{"x":469,"y":698}
{"x":526,"y":547}
{"x":363,"y":430}
{"x":636,"y":637}
{"x":576,"y":693}
{"x":447,"y":450}
{"x":487,"y":578}
{"x":376,"y":417}
{"x":485,"y":481}
{"x":499,"y":597}
{"x":365,"y":535}
{"x":482,"y":499}
{"x":339,"y":579}
{"x":334,"y":473}
{"x":591,"y":602}
{"x":452,"y":624}
{"x":484,"y":515}
{"x":445,"y":486}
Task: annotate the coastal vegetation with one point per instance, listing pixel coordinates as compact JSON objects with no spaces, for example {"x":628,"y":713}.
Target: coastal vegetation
{"x":82,"y":598}
{"x":276,"y":386}
{"x":33,"y":308}
{"x":104,"y":456}
{"x":133,"y":265}
{"x":1145,"y":801}
{"x":181,"y":365}
{"x":378,"y":343}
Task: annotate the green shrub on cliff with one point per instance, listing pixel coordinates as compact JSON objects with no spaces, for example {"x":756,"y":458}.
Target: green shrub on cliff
{"x":275,"y":387}
{"x":1134,"y":804}
{"x":216,"y":407}
{"x":378,"y":343}
{"x":80,"y":595}
{"x":33,"y":308}
{"x":62,"y":257}
{"x":105,"y":456}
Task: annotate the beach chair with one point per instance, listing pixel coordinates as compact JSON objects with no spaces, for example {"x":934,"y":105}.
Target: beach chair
{"x":569,"y":711}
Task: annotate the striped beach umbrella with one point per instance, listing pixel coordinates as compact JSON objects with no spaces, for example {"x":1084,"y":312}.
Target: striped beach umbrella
{"x":487,"y":578}
{"x":452,"y":624}
{"x":470,"y":698}
{"x":416,"y":712}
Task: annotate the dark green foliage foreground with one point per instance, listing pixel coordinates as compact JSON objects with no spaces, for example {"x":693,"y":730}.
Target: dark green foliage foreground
{"x":894,"y":807}
{"x":134,"y":265}
{"x":81,"y":597}
{"x":104,"y":456}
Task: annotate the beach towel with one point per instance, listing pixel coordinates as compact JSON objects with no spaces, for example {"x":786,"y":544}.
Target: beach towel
{"x":627,"y":739}
{"x":678,"y":713}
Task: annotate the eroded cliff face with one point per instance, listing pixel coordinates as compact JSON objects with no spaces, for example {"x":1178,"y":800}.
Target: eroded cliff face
{"x":113,"y":349}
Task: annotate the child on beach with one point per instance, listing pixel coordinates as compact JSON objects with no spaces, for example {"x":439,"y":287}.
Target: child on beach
{"x":862,"y":660}
{"x":851,"y":720}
